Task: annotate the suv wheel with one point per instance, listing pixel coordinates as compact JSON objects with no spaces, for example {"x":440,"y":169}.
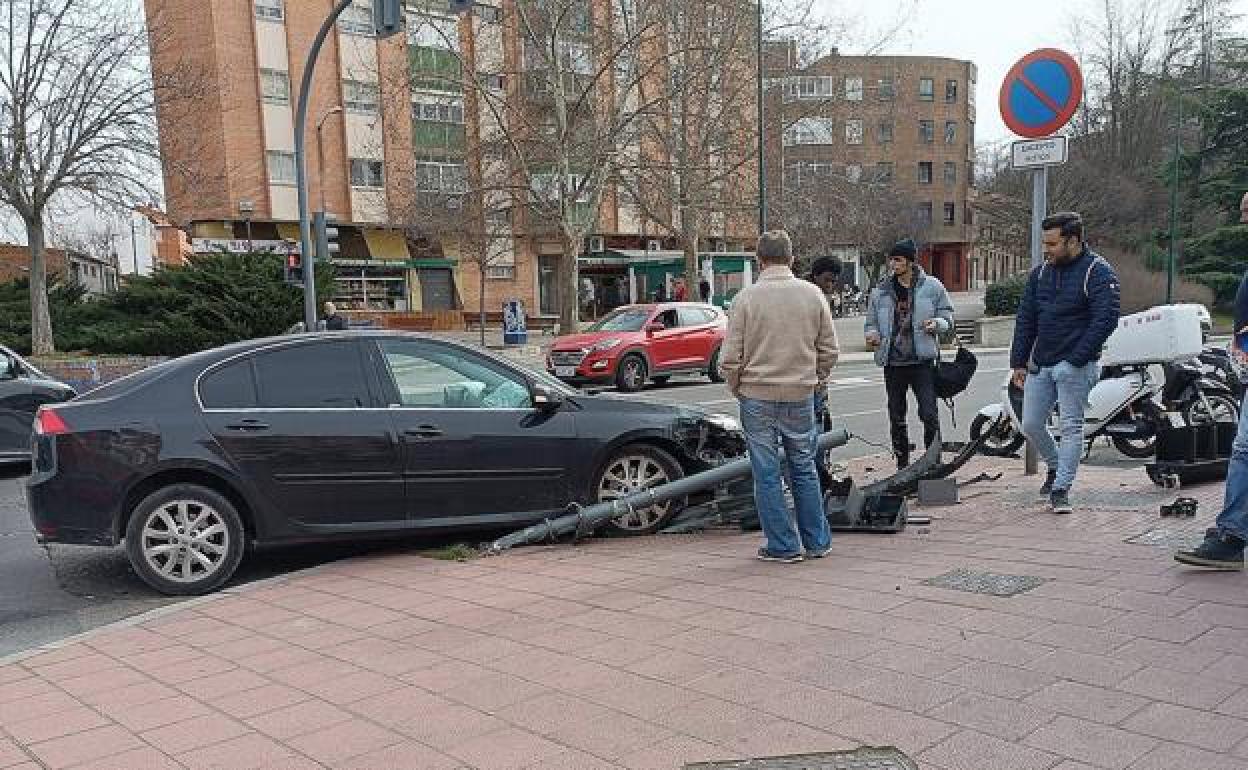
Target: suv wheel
{"x":713,"y":372}
{"x":631,"y":470}
{"x":631,"y":373}
{"x":185,"y":540}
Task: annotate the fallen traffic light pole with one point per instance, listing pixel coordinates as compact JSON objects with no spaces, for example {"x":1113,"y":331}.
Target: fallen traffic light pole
{"x":588,"y":518}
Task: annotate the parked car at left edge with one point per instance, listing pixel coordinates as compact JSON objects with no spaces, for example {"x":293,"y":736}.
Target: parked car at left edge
{"x":23,"y":389}
{"x":343,"y":435}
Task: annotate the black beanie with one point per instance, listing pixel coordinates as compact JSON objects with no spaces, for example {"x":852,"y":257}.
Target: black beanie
{"x":905,"y":248}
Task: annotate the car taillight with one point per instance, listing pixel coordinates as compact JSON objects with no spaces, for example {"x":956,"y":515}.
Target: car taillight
{"x":49,"y":423}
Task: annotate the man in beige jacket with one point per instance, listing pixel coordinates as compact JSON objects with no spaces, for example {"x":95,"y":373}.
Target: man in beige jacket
{"x":780,"y":349}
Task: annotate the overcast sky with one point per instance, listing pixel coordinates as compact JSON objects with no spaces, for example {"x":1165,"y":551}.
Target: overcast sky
{"x":992,"y":33}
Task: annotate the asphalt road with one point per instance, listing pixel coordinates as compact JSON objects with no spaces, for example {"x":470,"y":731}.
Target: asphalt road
{"x":50,"y":592}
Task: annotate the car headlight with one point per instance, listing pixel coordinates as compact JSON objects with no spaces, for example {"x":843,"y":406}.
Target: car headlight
{"x":605,"y":345}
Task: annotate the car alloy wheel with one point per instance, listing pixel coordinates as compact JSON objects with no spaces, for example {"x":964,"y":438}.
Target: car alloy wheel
{"x":185,"y":539}
{"x":632,"y":374}
{"x":634,"y":470}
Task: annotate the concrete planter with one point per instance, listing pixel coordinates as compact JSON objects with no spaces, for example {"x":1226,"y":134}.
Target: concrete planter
{"x":994,"y":332}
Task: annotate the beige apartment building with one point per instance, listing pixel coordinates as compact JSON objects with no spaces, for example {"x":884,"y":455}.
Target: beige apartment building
{"x":390,"y":128}
{"x":905,"y":119}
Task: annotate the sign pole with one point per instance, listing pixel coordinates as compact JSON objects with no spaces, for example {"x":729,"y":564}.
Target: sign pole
{"x":1039,"y":205}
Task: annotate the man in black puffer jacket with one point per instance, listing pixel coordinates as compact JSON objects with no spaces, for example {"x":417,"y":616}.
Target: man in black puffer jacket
{"x":1068,"y":311}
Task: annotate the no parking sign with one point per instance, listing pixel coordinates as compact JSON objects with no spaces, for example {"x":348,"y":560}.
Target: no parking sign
{"x":1041,"y":93}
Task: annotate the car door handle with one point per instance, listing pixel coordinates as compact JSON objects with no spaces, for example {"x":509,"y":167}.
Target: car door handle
{"x":424,"y":431}
{"x":248,"y":426}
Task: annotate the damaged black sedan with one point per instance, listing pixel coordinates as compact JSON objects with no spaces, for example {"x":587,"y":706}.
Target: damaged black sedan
{"x":342,"y":435}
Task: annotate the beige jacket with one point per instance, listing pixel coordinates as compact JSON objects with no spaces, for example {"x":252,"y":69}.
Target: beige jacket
{"x":781,"y":343}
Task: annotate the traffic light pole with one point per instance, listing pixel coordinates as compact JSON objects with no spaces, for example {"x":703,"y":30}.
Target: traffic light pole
{"x":301,"y":173}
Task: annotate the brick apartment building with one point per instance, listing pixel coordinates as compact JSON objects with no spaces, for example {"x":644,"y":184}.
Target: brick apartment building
{"x":396,"y":126}
{"x":906,"y":120}
{"x":97,"y":276}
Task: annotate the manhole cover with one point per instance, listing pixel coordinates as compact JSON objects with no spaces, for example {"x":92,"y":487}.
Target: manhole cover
{"x":858,"y":759}
{"x":989,"y":583}
{"x":1161,"y":537}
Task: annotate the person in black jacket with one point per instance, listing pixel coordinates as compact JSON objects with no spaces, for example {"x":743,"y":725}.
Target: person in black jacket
{"x":334,"y":321}
{"x":1223,"y":547}
{"x":1069,"y":309}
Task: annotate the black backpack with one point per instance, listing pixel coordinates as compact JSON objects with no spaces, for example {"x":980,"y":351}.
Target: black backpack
{"x":953,"y":377}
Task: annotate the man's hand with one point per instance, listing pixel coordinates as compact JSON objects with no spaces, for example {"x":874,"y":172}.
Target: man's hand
{"x":1019,"y":377}
{"x":873,"y":338}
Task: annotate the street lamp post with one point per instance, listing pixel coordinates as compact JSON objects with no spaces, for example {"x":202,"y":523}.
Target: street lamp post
{"x":320,"y":152}
{"x":247,"y":208}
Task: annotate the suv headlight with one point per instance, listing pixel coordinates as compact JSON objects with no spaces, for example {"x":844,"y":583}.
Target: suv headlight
{"x":605,"y":345}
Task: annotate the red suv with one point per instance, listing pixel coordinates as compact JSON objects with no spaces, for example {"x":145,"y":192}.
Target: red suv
{"x":636,"y":343}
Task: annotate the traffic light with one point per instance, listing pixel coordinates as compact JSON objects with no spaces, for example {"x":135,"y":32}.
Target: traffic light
{"x":388,"y":17}
{"x":294,"y":269}
{"x":326,"y":235}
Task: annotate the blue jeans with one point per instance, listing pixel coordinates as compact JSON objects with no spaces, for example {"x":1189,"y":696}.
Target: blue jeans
{"x":1233,"y":520}
{"x":1066,"y":386}
{"x":768,"y":425}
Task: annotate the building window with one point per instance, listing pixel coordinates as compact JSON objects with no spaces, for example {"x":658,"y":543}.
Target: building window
{"x":494,"y":82}
{"x":925,"y":214}
{"x":810,"y":131}
{"x":357,"y":19}
{"x":269,"y":10}
{"x":951,"y":91}
{"x":927,"y":131}
{"x":951,"y":172}
{"x":853,"y":131}
{"x":951,"y":131}
{"x":366,"y":173}
{"x":489,"y":13}
{"x":275,"y":86}
{"x":927,"y":89}
{"x":545,"y":187}
{"x":360,"y":97}
{"x":501,"y":273}
{"x":431,"y":32}
{"x":281,"y":167}
{"x":853,"y":89}
{"x":886,"y":90}
{"x":853,"y":173}
{"x":925,"y":172}
{"x":438,"y":110}
{"x":884,"y":172}
{"x":806,"y":172}
{"x":886,"y":131}
{"x":441,"y":177}
{"x":809,"y":87}
{"x":951,"y":216}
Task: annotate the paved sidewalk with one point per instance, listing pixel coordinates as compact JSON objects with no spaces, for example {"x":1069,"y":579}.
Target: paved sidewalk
{"x":654,"y":652}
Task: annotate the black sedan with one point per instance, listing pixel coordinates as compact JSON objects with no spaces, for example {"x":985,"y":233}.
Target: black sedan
{"x":341,"y":435}
{"x":23,"y":389}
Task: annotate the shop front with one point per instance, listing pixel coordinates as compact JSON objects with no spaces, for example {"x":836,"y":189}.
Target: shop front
{"x":653,"y":275}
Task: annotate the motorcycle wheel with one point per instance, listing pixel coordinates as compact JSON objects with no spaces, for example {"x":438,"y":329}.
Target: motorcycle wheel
{"x":1002,"y":442}
{"x":1223,"y":410}
{"x":1136,"y":448}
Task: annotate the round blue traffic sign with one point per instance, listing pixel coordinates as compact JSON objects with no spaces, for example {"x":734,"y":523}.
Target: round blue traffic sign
{"x":1041,"y":93}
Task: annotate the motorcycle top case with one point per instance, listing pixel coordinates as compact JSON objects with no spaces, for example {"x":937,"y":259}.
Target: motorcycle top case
{"x":1159,"y":335}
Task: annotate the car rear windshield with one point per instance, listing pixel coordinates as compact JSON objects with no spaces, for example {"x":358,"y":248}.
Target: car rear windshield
{"x":625,"y":319}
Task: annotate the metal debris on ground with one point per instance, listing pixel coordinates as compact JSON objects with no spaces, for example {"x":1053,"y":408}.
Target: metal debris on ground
{"x":857,"y":759}
{"x":1182,"y":507}
{"x":989,"y":583}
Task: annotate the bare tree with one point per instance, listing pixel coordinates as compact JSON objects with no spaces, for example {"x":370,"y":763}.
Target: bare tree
{"x":77,"y":119}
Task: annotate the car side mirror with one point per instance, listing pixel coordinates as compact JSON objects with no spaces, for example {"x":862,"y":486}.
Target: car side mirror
{"x":546,"y":398}
{"x":657,"y":326}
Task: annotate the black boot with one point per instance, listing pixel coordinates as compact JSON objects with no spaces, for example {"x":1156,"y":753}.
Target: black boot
{"x":1219,"y":551}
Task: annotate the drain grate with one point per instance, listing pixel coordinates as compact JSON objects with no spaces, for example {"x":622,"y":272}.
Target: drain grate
{"x":988,"y":583}
{"x":1163,"y":537}
{"x":858,"y":759}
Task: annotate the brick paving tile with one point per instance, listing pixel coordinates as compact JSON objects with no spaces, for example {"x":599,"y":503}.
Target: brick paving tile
{"x":82,"y":747}
{"x":995,"y":679}
{"x":548,"y":714}
{"x":905,"y":691}
{"x":969,"y":750}
{"x":1103,"y":746}
{"x":996,"y":649}
{"x":35,"y":706}
{"x":56,"y":725}
{"x":674,"y":666}
{"x":344,"y":741}
{"x":1063,"y":636}
{"x":1097,"y":704}
{"x":250,"y":703}
{"x":1006,"y":719}
{"x":609,"y":735}
{"x":105,"y":681}
{"x":1214,"y":614}
{"x":1175,"y":657}
{"x":1172,"y":756}
{"x":508,"y":749}
{"x":402,"y":756}
{"x":246,"y":751}
{"x":674,"y":753}
{"x":1235,"y":706}
{"x":1081,"y":667}
{"x":883,"y":726}
{"x":180,"y":737}
{"x":220,"y":685}
{"x":780,"y":737}
{"x":1185,"y":725}
{"x":138,"y":759}
{"x":450,"y":725}
{"x":11,"y":754}
{"x":300,"y":718}
{"x":1175,"y":687}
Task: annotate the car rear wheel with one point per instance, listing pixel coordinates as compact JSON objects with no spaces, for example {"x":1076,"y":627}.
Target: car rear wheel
{"x":631,"y":373}
{"x":631,"y":470}
{"x":185,"y":540}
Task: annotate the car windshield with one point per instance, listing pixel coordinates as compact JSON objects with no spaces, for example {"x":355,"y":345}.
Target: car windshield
{"x":624,"y":319}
